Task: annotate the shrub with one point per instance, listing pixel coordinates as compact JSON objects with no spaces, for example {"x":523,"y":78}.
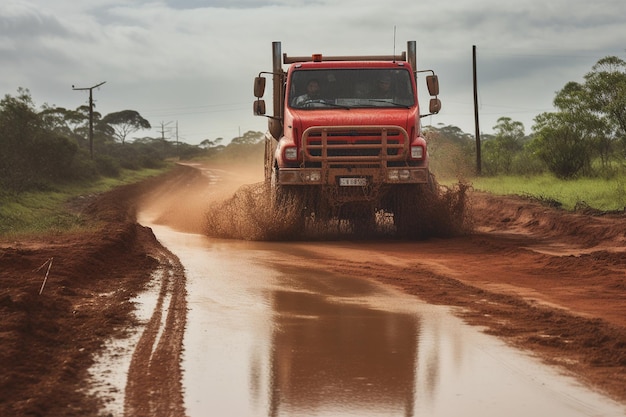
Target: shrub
{"x":107,"y":166}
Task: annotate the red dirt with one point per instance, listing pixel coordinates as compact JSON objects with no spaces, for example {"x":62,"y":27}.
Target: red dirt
{"x":546,"y":280}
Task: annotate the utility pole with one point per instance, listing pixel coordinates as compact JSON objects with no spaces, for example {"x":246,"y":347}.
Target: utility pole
{"x":478,"y":158}
{"x":177,"y":148}
{"x":163,"y":125}
{"x":90,"y":114}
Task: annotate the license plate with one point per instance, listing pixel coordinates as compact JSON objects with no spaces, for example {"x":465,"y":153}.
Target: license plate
{"x":353,"y":182}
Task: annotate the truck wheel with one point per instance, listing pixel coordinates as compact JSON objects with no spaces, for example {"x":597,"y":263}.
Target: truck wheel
{"x":432,"y":186}
{"x":363,"y":220}
{"x":407,"y":215}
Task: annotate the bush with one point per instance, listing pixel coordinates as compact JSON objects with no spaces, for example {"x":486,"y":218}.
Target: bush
{"x":563,"y":150}
{"x":527,"y":163}
{"x":83,"y":168}
{"x":52,"y":156}
{"x":107,"y":166}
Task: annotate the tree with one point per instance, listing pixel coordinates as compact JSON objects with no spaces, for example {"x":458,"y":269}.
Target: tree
{"x":449,"y":133}
{"x":125,"y":122}
{"x":605,"y":86}
{"x":55,"y":119}
{"x":31,"y":154}
{"x":17,"y":122}
{"x":208,"y":144}
{"x":249,"y":138}
{"x":567,"y":140}
{"x":499,"y":152}
{"x":560,"y":145}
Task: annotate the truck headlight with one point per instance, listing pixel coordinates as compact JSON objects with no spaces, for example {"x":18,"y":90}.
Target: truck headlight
{"x":417,"y":152}
{"x":291,"y":154}
{"x":398,"y":175}
{"x":313,"y":176}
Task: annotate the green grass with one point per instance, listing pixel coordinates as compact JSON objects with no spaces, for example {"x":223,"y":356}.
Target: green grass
{"x":597,"y":193}
{"x":49,"y":212}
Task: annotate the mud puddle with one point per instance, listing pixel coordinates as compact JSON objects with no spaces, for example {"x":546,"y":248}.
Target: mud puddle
{"x":265,"y":338}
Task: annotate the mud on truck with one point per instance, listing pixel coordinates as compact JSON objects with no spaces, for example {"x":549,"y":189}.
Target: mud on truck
{"x":344,"y":142}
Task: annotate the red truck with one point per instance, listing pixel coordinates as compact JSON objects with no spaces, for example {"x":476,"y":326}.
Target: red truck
{"x":344,"y":139}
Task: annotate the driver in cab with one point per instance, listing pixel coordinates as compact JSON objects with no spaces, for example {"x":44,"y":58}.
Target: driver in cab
{"x":312,"y":92}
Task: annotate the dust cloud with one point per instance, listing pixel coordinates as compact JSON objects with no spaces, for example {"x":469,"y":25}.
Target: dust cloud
{"x":249,"y":215}
{"x":183,"y":199}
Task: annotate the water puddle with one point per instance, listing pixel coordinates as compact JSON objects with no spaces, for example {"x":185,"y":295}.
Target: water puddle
{"x":264,"y":339}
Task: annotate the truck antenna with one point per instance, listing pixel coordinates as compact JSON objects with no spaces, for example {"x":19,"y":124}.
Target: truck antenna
{"x":394,"y":43}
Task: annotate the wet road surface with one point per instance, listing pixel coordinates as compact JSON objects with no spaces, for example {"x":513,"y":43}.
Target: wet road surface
{"x":266,"y":337}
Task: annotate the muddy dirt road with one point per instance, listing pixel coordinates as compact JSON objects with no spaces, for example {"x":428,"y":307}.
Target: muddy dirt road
{"x":549,"y":282}
{"x":271,"y":333}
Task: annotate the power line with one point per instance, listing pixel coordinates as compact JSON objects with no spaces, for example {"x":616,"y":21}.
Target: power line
{"x":173,"y":112}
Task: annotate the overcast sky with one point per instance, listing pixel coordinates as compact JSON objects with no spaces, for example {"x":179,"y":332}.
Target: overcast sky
{"x":192,"y":62}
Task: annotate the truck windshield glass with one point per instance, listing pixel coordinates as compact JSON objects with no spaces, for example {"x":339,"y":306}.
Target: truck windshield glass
{"x":351,"y":88}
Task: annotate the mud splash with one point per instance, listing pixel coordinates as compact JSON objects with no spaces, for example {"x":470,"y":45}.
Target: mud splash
{"x":253,"y":213}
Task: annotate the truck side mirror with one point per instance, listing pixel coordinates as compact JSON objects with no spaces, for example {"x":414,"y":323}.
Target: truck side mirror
{"x":432,"y":82}
{"x":259,"y":86}
{"x":259,"y":107}
{"x":435,"y":105}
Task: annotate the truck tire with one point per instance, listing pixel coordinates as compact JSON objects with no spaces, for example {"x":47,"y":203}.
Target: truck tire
{"x":362,"y":218}
{"x":405,"y":207}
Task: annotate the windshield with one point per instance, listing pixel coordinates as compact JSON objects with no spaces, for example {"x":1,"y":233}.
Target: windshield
{"x":351,"y":88}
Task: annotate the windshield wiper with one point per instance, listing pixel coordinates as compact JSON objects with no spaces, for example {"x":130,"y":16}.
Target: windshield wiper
{"x":305,"y":104}
{"x":342,"y":106}
{"x":393,"y":103}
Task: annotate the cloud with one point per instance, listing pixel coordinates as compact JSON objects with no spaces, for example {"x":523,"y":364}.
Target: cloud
{"x":23,"y":21}
{"x":223,"y":4}
{"x":194,"y":61}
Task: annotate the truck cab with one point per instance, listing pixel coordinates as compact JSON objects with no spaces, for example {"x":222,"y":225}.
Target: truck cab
{"x":362,"y":122}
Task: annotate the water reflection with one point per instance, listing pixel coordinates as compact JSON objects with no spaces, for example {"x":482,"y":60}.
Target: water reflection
{"x":263,"y":339}
{"x":327,"y":355}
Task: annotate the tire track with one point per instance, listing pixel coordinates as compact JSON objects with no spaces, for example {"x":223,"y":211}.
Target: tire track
{"x":154,"y":382}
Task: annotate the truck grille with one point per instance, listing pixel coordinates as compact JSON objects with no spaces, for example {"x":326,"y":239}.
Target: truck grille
{"x":355,"y":145}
